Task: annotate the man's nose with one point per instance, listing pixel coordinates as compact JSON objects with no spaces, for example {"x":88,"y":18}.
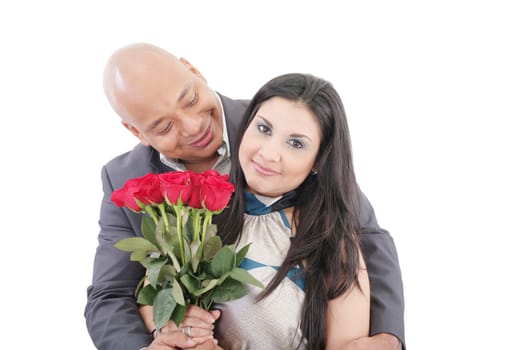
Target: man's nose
{"x":190,"y":125}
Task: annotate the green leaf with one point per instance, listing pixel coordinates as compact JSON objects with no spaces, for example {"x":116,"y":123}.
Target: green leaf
{"x":166,"y":247}
{"x":166,"y":250}
{"x":187,"y":225}
{"x":206,"y":301}
{"x":187,"y":250}
{"x":178,"y":314}
{"x":190,"y":283}
{"x":148,"y":227}
{"x":167,"y":274}
{"x":223,"y":261}
{"x":139,"y":255}
{"x":135,"y":243}
{"x":195,"y":259}
{"x":147,"y":295}
{"x":211,"y":231}
{"x":241,"y":254}
{"x":244,"y":276}
{"x":177,"y":293}
{"x":154,"y":271}
{"x":224,"y":277}
{"x":209,"y":284}
{"x":176,"y":248}
{"x":163,"y":307}
{"x":229,"y":290}
{"x":174,"y":260}
{"x":206,"y":268}
{"x":211,"y":247}
{"x":172,"y":231}
{"x":140,"y":285}
{"x":159,"y":237}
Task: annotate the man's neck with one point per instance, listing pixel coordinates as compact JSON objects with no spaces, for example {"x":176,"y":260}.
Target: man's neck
{"x":203,"y":165}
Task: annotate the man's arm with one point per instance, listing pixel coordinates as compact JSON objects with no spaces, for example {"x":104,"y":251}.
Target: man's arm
{"x":386,"y":285}
{"x":111,"y":312}
{"x":380,"y":341}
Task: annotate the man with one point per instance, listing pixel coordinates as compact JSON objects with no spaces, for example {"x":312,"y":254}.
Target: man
{"x":183,"y":124}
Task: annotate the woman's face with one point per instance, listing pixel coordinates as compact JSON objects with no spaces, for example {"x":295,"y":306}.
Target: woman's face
{"x":279,"y":147}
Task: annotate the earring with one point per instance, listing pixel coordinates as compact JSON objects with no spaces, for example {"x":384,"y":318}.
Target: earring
{"x":314,"y":171}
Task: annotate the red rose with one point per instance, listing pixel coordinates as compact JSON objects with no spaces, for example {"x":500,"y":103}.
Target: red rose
{"x":149,"y":190}
{"x":125,"y":196}
{"x":196,"y":186}
{"x":211,"y":172}
{"x":216,"y":191}
{"x":175,"y":185}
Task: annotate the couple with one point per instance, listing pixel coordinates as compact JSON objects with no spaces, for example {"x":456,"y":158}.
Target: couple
{"x":294,"y":143}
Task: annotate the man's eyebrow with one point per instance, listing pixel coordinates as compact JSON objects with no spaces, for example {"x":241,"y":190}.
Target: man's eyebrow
{"x":185,"y":91}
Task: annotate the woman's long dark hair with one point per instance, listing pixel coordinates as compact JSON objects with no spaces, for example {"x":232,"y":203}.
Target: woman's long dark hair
{"x":325,"y":216}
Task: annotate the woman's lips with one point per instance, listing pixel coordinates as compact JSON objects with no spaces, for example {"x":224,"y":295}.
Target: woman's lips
{"x":263,"y":170}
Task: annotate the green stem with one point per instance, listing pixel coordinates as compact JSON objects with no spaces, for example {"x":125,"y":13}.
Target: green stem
{"x":178,"y":211}
{"x":166,"y":232}
{"x":207,"y":219}
{"x":152,"y":214}
{"x":196,"y":215}
{"x":164,"y":216}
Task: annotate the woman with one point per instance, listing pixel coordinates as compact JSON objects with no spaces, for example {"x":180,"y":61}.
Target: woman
{"x":296,"y":202}
{"x":295,"y":182}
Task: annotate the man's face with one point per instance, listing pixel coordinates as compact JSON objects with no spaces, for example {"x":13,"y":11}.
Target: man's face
{"x":174,"y":111}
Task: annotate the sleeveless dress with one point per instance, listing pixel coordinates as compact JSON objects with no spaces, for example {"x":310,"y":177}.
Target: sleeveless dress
{"x":273,"y":322}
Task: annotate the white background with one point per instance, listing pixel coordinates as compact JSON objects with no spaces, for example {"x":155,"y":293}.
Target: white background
{"x":434,"y":92}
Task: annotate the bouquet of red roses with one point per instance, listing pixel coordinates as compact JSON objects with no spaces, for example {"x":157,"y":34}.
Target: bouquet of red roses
{"x":186,"y":262}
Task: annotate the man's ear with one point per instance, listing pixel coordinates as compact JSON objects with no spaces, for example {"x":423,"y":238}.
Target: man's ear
{"x":136,"y":132}
{"x":192,"y":68}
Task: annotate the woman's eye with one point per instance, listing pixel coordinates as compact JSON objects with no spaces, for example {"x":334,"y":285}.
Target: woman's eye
{"x":263,"y":129}
{"x":296,"y":143}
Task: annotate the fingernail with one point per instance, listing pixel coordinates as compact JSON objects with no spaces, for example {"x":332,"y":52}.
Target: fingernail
{"x":216,"y":314}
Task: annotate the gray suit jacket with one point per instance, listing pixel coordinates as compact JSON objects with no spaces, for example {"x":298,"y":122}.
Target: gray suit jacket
{"x":111,"y":313}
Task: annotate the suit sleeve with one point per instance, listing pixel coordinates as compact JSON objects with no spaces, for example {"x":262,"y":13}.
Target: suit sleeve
{"x":387,"y":300}
{"x":111,"y":312}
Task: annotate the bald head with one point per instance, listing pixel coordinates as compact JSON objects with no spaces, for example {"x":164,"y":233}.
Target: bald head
{"x":132,"y":63}
{"x":135,"y":76}
{"x":166,"y":103}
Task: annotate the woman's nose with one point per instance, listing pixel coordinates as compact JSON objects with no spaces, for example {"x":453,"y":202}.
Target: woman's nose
{"x":270,"y":151}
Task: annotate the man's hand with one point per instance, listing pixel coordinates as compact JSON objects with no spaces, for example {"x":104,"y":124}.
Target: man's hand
{"x":209,"y":345}
{"x":200,"y":323}
{"x":380,"y":341}
{"x":177,"y":340}
{"x":172,"y":341}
